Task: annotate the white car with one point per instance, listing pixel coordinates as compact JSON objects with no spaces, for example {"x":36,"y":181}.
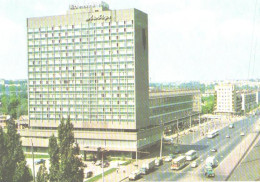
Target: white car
{"x":168,"y":159}
{"x":242,"y":134}
{"x":227,"y":136}
{"x":194,"y":164}
{"x":98,"y":163}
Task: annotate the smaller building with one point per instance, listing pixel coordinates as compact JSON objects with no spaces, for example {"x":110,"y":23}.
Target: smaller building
{"x":3,"y":120}
{"x":22,"y":122}
{"x":248,"y":100}
{"x":228,"y":99}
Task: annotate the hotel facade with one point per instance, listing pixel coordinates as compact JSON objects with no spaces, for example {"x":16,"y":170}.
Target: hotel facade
{"x":92,"y":65}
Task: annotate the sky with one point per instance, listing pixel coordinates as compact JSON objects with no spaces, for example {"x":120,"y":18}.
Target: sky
{"x":189,"y":40}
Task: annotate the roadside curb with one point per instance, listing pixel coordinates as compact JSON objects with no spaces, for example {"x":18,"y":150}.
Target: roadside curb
{"x":123,"y":179}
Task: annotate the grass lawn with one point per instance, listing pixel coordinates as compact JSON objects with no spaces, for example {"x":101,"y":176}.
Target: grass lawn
{"x":37,"y":156}
{"x":95,"y":178}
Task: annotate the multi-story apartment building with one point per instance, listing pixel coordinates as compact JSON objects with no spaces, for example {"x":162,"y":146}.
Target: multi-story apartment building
{"x":227,"y":99}
{"x":90,"y":64}
{"x":174,"y":109}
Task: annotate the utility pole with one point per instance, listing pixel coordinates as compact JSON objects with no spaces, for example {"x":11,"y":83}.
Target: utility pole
{"x":161,"y":139}
{"x":103,"y":166}
{"x":33,"y":162}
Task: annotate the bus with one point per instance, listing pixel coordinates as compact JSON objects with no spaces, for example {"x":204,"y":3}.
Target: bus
{"x":212,"y":134}
{"x":191,"y":155}
{"x":178,"y":162}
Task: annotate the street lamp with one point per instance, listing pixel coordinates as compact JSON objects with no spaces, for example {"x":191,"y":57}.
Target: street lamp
{"x":162,"y":124}
{"x":33,"y":162}
{"x":102,"y":150}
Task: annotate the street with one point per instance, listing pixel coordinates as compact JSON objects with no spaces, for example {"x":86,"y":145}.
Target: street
{"x":223,"y":145}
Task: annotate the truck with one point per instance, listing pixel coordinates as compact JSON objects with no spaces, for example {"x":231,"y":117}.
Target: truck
{"x":134,"y":175}
{"x":211,"y":161}
{"x":208,"y":171}
{"x":147,"y":167}
{"x":179,"y":162}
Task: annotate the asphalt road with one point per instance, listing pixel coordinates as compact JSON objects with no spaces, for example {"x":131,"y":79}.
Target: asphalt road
{"x":224,"y":146}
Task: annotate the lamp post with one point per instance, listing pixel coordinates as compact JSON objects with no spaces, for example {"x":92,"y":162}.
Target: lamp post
{"x":33,"y":162}
{"x":162,"y":124}
{"x":102,"y":150}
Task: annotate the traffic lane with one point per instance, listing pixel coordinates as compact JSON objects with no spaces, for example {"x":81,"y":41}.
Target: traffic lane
{"x":210,"y":142}
{"x":164,"y":172}
{"x":231,"y":145}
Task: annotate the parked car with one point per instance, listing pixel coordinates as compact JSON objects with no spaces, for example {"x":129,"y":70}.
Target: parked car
{"x":194,"y":164}
{"x":105,"y":164}
{"x":98,"y":163}
{"x":242,"y":134}
{"x":39,"y":161}
{"x":89,"y":174}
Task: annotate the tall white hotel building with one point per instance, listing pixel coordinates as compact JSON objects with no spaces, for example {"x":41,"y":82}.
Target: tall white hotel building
{"x":90,"y":64}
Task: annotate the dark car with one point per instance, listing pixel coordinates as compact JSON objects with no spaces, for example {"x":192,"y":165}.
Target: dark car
{"x":40,"y":161}
{"x":89,"y":174}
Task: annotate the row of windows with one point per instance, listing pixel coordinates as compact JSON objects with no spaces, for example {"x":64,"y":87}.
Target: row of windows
{"x":112,"y":63}
{"x":82,"y":26}
{"x":93,"y":118}
{"x":83,"y":33}
{"x":83,"y":53}
{"x":83,"y":47}
{"x":83,"y":40}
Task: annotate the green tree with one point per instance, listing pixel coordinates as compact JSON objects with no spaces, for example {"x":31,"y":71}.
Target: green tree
{"x":14,"y":164}
{"x":54,"y":159}
{"x":12,"y":107}
{"x":66,"y":166}
{"x":42,"y":174}
{"x":71,"y":167}
{"x":3,"y":153}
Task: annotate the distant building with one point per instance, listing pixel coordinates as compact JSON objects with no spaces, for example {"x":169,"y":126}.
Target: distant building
{"x":227,"y":99}
{"x":248,"y":100}
{"x":174,"y":109}
{"x":3,"y":120}
{"x":208,"y":93}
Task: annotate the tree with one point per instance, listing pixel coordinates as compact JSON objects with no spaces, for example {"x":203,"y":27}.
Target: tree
{"x":54,"y":159}
{"x":71,"y":167}
{"x":3,"y":153}
{"x":64,"y":156}
{"x":13,"y":161}
{"x":42,"y":175}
